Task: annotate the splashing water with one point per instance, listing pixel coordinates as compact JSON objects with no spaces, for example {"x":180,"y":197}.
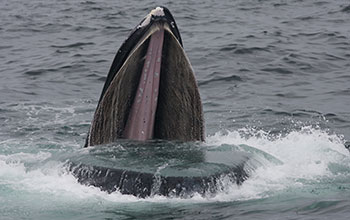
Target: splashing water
{"x":308,"y":156}
{"x":304,"y":158}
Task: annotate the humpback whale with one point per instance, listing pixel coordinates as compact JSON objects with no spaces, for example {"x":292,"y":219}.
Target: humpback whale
{"x":148,"y":124}
{"x":150,"y":91}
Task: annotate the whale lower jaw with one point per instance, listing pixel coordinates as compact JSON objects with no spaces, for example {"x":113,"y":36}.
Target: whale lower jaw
{"x":143,"y":185}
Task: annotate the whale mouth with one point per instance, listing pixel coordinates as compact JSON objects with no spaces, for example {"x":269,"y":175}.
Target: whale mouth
{"x":150,"y":91}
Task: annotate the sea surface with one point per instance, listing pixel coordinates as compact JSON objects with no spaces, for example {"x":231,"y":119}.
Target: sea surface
{"x":273,"y":75}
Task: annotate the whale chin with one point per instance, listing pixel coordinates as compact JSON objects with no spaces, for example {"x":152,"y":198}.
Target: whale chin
{"x":150,"y":91}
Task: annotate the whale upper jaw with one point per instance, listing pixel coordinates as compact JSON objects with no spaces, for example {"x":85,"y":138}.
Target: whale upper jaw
{"x":157,"y":15}
{"x":150,"y":91}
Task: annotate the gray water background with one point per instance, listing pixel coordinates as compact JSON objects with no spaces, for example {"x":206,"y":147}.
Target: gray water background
{"x":270,"y":66}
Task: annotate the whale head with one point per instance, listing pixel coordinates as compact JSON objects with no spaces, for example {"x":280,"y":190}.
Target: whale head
{"x":150,"y":91}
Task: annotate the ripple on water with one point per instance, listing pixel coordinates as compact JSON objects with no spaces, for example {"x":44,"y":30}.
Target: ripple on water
{"x":219,"y":78}
{"x":242,"y":49}
{"x":346,"y":9}
{"x":77,"y":44}
{"x":280,"y":70}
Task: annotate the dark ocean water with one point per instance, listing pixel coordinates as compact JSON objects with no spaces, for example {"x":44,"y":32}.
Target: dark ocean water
{"x":273,"y":75}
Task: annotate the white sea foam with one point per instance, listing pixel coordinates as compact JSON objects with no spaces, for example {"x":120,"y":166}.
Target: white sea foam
{"x":305,"y":156}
